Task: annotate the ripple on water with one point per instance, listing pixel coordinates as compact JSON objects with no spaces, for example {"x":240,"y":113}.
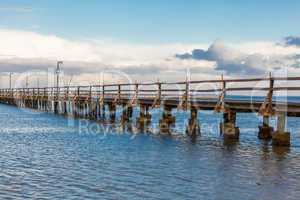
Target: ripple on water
{"x":46,"y":156}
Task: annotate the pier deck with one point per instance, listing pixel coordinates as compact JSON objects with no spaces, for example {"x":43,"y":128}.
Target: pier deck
{"x":90,"y":101}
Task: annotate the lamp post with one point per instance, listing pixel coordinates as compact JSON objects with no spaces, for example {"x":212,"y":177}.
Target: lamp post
{"x":26,"y":82}
{"x":58,"y":70}
{"x":10,"y":76}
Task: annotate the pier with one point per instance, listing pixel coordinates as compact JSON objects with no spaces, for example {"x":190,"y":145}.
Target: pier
{"x":92,"y":101}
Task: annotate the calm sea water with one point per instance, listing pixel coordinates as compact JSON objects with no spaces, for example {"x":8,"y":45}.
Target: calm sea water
{"x":44,"y":156}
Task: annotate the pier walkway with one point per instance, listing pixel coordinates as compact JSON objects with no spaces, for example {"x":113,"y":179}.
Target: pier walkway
{"x":92,"y":102}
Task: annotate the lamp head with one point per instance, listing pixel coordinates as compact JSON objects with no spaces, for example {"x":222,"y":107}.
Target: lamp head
{"x":57,"y":68}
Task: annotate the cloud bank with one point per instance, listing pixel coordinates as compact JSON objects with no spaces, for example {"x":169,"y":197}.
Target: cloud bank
{"x":269,"y":57}
{"x":23,"y":51}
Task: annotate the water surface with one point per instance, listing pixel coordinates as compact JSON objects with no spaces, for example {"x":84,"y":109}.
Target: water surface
{"x":51,"y":157}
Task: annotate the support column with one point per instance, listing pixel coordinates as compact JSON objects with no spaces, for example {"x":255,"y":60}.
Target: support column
{"x":193,"y":127}
{"x":73,"y":108}
{"x":280,"y":136}
{"x":144,"y":119}
{"x":112,"y":112}
{"x":87,"y":109}
{"x":129,"y":111}
{"x":228,"y":126}
{"x":103,"y":111}
{"x":56,"y":107}
{"x":77,"y":108}
{"x":125,"y":117}
{"x":49,"y":106}
{"x":44,"y":105}
{"x":82,"y":109}
{"x":166,"y":121}
{"x":93,"y":110}
{"x":265,"y":131}
{"x":98,"y":112}
{"x":65,"y":107}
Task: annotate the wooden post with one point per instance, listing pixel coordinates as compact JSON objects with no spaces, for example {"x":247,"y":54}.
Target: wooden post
{"x":135,"y":97}
{"x":159,"y":93}
{"x":136,"y":89}
{"x":221,"y":107}
{"x":157,"y":100}
{"x":266,"y":108}
{"x":193,"y":127}
{"x":184,"y":101}
{"x":78,"y":91}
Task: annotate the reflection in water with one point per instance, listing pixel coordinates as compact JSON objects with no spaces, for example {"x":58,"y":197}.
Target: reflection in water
{"x":230,"y":144}
{"x":52,"y":157}
{"x":281,"y":152}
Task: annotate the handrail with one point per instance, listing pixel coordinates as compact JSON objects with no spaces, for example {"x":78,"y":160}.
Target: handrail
{"x":117,"y":87}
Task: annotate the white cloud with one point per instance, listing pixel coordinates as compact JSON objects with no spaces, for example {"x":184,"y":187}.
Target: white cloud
{"x":246,"y":58}
{"x":22,"y":51}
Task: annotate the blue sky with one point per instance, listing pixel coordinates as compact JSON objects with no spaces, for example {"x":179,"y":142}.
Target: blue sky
{"x":147,"y":40}
{"x":155,"y":21}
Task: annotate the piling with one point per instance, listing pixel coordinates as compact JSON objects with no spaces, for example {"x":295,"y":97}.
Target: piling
{"x":265,"y":130}
{"x":228,"y":127}
{"x":193,"y":127}
{"x":112,"y":112}
{"x":166,"y":121}
{"x":280,"y":136}
{"x":144,"y":118}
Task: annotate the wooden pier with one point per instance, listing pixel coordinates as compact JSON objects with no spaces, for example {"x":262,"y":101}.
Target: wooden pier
{"x":91,"y":101}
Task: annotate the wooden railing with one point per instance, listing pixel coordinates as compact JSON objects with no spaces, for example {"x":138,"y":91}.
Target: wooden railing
{"x":185,"y":91}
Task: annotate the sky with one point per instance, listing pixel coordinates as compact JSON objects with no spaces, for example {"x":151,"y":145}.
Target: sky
{"x":147,"y":40}
{"x":157,"y":21}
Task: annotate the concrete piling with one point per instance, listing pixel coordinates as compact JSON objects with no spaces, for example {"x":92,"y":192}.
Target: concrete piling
{"x":166,"y":121}
{"x":144,"y":118}
{"x":265,"y":130}
{"x":112,"y":112}
{"x":280,"y":136}
{"x":228,"y":127}
{"x":193,"y":127}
